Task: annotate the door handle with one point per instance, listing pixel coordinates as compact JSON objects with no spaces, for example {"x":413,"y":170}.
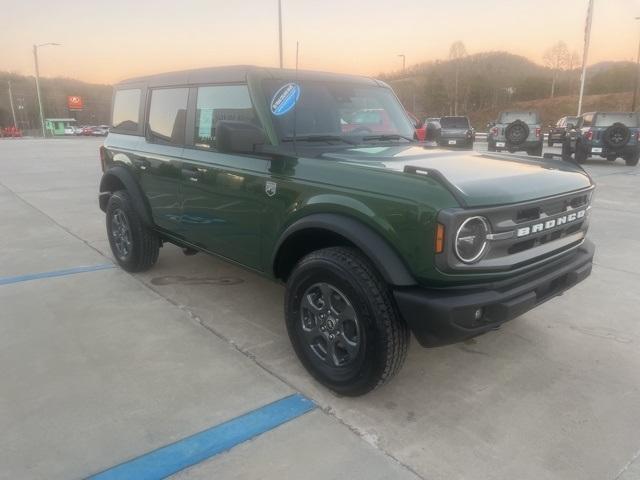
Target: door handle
{"x":142,"y":164}
{"x":193,"y":173}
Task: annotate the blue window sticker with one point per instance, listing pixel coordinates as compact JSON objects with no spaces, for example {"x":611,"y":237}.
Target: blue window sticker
{"x":285,"y":99}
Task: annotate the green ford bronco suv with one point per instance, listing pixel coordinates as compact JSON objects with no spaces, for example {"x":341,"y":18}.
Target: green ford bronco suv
{"x":375,"y":234}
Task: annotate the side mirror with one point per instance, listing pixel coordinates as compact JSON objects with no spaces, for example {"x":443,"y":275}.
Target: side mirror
{"x":238,"y":137}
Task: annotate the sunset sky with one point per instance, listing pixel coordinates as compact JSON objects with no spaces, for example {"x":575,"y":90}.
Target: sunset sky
{"x":106,"y":41}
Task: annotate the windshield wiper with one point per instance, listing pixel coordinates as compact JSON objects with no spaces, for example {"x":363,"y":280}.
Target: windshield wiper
{"x":318,"y":138}
{"x":390,"y":136}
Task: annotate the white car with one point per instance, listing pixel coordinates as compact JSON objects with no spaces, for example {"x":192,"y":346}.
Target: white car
{"x":69,"y":130}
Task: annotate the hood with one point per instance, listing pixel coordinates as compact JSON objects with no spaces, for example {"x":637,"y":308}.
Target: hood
{"x":479,"y":179}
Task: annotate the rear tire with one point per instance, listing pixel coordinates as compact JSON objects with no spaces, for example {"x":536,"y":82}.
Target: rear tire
{"x":581,"y":154}
{"x":536,"y":152}
{"x":134,"y":246}
{"x":566,"y":151}
{"x":343,"y":322}
{"x":632,"y":159}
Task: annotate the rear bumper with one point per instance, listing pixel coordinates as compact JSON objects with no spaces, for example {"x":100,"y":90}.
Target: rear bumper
{"x":605,"y":150}
{"x":443,"y":316}
{"x":459,"y":142}
{"x":526,"y":145}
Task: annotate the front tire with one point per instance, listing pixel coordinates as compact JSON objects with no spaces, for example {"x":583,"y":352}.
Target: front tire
{"x":134,"y":246}
{"x":343,"y":322}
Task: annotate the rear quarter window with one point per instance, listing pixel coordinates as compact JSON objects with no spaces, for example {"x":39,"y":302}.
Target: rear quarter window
{"x":126,"y":110}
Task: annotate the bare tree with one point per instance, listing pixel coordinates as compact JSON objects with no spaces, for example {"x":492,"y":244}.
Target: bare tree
{"x":456,"y":53}
{"x":556,"y":58}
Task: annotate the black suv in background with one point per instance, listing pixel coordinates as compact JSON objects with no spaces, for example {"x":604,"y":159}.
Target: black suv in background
{"x":455,"y":132}
{"x":558,"y":132}
{"x":608,"y":135}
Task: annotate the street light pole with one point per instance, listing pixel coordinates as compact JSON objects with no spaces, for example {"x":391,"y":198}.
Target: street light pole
{"x":35,"y":59}
{"x":635,"y":87}
{"x":585,"y":53}
{"x":404,"y":61}
{"x":13,"y":110}
{"x":280,"y":30}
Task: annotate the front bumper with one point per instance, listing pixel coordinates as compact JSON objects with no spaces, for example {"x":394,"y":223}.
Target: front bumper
{"x":448,"y":315}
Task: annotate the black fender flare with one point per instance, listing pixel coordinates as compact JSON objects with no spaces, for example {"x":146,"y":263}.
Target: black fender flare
{"x":372,"y":244}
{"x":121,"y":175}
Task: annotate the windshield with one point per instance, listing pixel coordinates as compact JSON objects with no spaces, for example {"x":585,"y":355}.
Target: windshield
{"x":530,"y":118}
{"x":339,"y":109}
{"x":608,"y":119}
{"x":454,"y":122}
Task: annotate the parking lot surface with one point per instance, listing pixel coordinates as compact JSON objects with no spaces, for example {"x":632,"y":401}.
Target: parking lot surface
{"x":101,"y":367}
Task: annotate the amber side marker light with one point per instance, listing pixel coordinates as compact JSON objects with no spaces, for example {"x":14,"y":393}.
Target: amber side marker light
{"x":439,"y":238}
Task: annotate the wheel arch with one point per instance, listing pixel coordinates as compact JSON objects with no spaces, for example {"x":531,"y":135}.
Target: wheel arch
{"x":322,"y":230}
{"x":119,"y":178}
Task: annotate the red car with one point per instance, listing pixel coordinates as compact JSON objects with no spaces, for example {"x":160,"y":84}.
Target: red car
{"x":373,"y":120}
{"x":421,"y":127}
{"x":13,"y":132}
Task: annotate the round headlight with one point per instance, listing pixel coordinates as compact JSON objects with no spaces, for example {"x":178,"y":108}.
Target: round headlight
{"x":471,"y":239}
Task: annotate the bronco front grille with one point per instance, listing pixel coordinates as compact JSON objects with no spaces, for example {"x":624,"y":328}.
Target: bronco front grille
{"x":523,"y":233}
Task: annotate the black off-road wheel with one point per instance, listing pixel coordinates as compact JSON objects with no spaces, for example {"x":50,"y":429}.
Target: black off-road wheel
{"x":343,"y":322}
{"x":566,"y":151}
{"x":535,"y":152}
{"x":580,"y":154}
{"x":617,"y":135}
{"x":134,"y":246}
{"x":516,"y":132}
{"x":632,"y":159}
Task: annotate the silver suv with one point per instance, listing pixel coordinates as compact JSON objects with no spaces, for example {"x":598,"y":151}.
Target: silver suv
{"x":516,"y":132}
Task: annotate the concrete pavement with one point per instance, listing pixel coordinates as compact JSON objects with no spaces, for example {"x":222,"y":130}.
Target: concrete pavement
{"x":554,"y":394}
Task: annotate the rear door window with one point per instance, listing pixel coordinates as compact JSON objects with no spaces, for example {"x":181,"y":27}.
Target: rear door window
{"x":167,"y":115}
{"x":126,"y":110}
{"x":221,"y":102}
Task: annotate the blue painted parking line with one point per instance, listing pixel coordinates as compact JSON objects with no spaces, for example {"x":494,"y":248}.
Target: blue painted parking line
{"x":54,"y":273}
{"x":194,"y":449}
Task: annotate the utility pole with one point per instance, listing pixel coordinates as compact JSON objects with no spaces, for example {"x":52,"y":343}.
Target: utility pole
{"x":35,"y":59}
{"x":280,"y":30}
{"x":13,"y":110}
{"x":404,"y":61}
{"x":635,"y":87}
{"x":585,"y":53}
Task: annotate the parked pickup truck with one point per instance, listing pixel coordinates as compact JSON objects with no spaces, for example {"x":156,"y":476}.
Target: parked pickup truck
{"x":607,"y":135}
{"x":374,"y":234}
